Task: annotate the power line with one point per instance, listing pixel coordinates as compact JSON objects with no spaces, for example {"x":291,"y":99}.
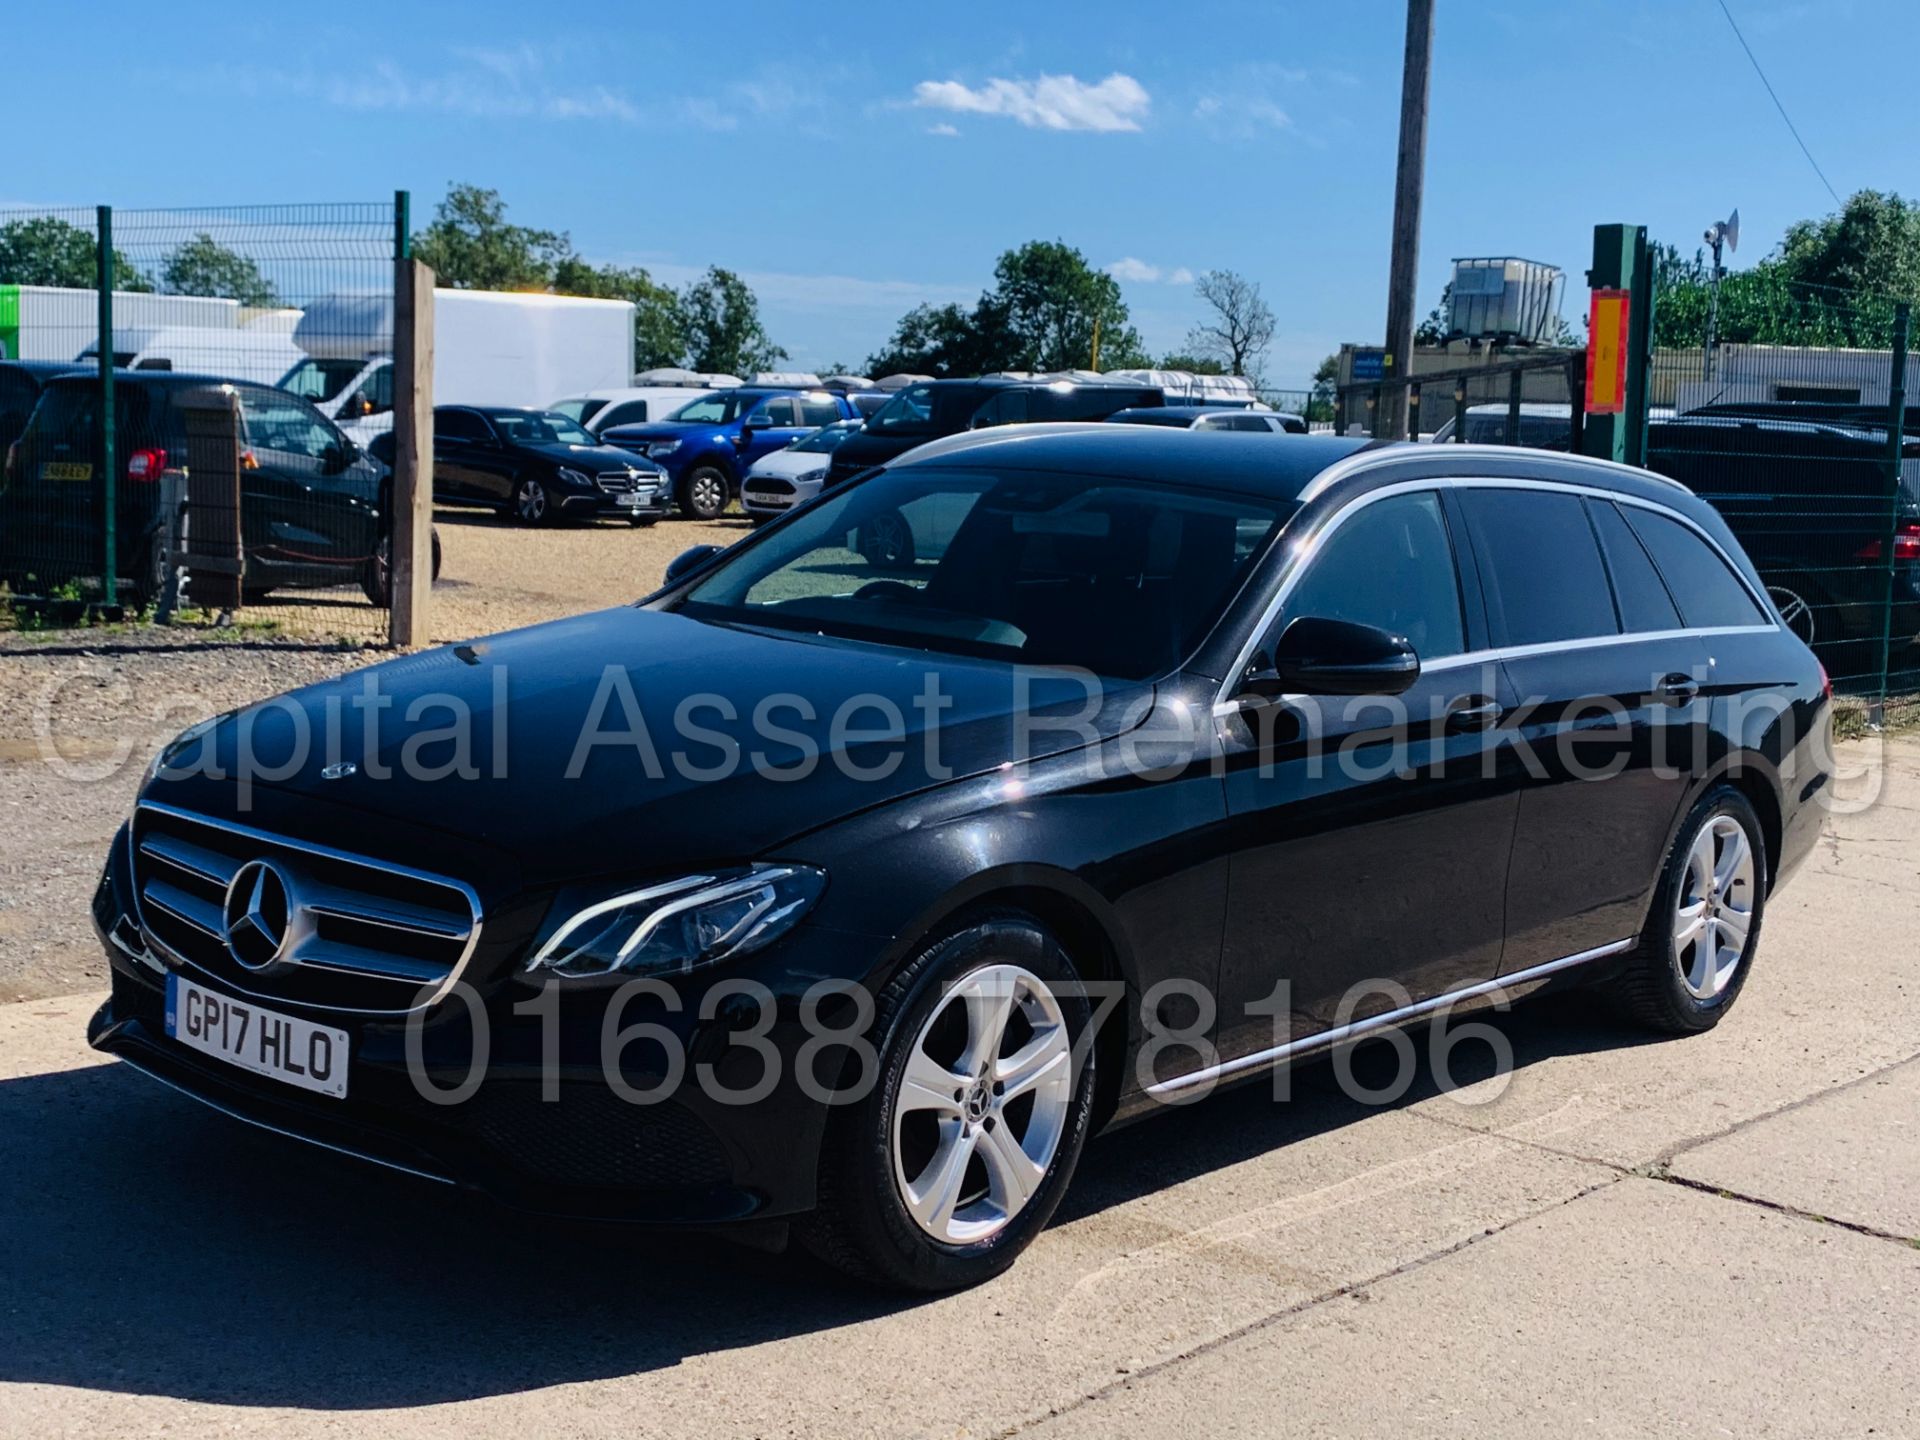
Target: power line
{"x":1792,"y":128}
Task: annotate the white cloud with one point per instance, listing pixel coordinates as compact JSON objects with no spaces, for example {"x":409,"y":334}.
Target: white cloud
{"x":943,"y":129}
{"x":1241,"y":116}
{"x":1139,"y":272}
{"x":1053,"y":102}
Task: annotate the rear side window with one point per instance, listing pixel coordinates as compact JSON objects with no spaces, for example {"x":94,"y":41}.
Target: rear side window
{"x":1540,"y":566}
{"x":1644,"y":602}
{"x":1708,"y":592}
{"x":459,"y":425}
{"x":818,"y":412}
{"x":780,"y":411}
{"x":1391,"y":565}
{"x":628,"y":412}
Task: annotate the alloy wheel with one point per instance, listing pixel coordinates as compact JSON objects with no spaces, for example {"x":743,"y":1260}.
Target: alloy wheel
{"x":982,"y":1104}
{"x":1714,"y":912}
{"x":707,"y":493}
{"x":885,"y":541}
{"x":532,"y":503}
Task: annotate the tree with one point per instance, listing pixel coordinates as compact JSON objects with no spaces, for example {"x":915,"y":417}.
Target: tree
{"x":47,"y":250}
{"x":1240,"y":329}
{"x":203,"y":266}
{"x":1872,"y":245}
{"x":946,"y":342}
{"x":1053,"y":300}
{"x":1193,"y":364}
{"x":471,"y":246}
{"x":723,"y":328}
{"x":1434,"y":329}
{"x":659,"y":329}
{"x":1326,"y":380}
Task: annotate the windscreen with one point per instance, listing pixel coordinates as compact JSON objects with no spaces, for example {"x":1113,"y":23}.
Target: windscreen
{"x":1120,"y":577}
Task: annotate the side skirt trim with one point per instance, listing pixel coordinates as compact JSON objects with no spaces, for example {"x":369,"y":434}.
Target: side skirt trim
{"x":1358,"y":1028}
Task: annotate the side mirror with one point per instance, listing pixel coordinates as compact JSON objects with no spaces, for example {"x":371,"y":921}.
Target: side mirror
{"x":688,"y":560}
{"x":1334,"y":657}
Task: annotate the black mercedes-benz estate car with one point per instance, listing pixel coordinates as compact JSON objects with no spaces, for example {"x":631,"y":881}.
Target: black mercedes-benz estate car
{"x":813,"y":897}
{"x":537,"y":465}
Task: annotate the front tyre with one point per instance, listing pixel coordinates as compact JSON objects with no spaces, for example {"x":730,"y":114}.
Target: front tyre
{"x":954,"y":1162}
{"x":1694,"y":956}
{"x":531,"y":503}
{"x":704,"y":493}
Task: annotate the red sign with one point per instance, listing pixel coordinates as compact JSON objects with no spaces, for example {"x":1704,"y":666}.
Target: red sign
{"x":1607,"y":353}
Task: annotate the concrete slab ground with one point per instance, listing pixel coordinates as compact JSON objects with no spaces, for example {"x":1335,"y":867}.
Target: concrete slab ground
{"x":1851,"y":1156}
{"x":1545,"y":1262}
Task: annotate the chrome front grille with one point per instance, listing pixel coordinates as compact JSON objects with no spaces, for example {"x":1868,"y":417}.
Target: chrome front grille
{"x":356,"y":934}
{"x":619,"y":482}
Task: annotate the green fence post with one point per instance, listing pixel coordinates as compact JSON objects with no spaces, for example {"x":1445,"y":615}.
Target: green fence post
{"x":1621,"y":262}
{"x":402,"y":225}
{"x":103,"y":278}
{"x":1896,"y":443}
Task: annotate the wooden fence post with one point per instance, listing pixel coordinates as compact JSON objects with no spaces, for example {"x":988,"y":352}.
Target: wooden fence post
{"x":213,"y":560}
{"x":411,"y":547}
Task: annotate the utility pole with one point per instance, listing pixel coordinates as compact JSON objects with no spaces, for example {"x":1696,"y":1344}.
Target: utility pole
{"x":1409,"y":179}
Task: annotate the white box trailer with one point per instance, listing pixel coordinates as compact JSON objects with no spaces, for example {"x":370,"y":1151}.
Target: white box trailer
{"x":245,"y":353}
{"x":43,"y":322}
{"x":489,"y":348}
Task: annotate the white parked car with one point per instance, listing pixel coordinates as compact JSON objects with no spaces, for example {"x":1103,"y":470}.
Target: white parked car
{"x":786,"y":478}
{"x":596,"y":410}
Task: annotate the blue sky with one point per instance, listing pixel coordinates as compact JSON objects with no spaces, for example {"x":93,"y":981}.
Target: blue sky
{"x":855,"y":161}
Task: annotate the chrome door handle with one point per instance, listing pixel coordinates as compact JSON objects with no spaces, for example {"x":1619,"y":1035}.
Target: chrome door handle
{"x":1475,"y":713}
{"x":1677,"y":689}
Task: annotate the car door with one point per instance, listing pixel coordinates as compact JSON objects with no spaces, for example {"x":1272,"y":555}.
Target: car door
{"x":1370,"y":835}
{"x":454,"y":431}
{"x":782,"y":416}
{"x":304,"y":502}
{"x":1609,"y":688}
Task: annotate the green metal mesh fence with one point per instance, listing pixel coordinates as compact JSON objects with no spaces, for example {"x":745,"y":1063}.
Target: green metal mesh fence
{"x":291,"y":307}
{"x":1790,"y":423}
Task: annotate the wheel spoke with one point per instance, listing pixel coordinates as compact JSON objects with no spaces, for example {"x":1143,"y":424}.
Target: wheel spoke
{"x":1734,"y":924}
{"x":1734,"y":859}
{"x":1700,"y":864}
{"x":1012,"y":1177}
{"x":933,"y":1196}
{"x":1043,"y":1056}
{"x":989,"y":1002}
{"x":1706,"y":955}
{"x":929,"y":1085}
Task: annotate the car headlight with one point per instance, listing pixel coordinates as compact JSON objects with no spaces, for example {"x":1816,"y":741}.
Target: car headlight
{"x":811,"y":476}
{"x":671,"y":928}
{"x":573,"y":477}
{"x":662,"y":447}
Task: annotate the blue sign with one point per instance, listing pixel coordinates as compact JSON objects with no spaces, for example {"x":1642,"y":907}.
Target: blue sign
{"x":1369,"y":365}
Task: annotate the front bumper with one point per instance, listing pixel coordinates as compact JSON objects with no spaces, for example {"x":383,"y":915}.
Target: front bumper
{"x":651,"y":504}
{"x":543,"y":1130}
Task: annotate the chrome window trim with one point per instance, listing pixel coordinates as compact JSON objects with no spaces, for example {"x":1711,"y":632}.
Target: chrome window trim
{"x":1224,"y":704}
{"x":267,"y":837}
{"x":1273,"y":1055}
{"x":1363,"y":460}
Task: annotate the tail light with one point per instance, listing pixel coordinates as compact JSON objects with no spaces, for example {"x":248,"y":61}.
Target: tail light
{"x":1906,"y":544}
{"x":1826,"y":682}
{"x":144,"y":466}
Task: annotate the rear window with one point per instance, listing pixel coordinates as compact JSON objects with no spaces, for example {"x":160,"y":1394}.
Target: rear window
{"x":69,"y":414}
{"x":1540,"y":566}
{"x":1644,"y":602}
{"x":1708,"y":592}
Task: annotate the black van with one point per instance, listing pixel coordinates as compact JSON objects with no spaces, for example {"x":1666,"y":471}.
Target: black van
{"x":934,"y":408}
{"x":1809,"y":501}
{"x":313,"y":507}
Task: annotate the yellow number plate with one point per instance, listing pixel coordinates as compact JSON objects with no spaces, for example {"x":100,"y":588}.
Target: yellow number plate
{"x":65,"y":470}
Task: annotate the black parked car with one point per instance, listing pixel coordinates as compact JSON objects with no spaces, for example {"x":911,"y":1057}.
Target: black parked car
{"x":20,"y":384}
{"x":934,"y":408}
{"x":1809,"y":502}
{"x":314,"y":509}
{"x":537,"y":465}
{"x":1092,"y":751}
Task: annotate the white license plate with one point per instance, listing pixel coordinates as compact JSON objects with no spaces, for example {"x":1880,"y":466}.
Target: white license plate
{"x":281,"y":1047}
{"x":770,"y":502}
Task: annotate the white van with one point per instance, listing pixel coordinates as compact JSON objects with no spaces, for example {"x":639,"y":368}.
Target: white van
{"x":259,"y":355}
{"x":596,"y":410}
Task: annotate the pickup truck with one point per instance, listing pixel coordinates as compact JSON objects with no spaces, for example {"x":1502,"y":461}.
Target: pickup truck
{"x":710,"y":444}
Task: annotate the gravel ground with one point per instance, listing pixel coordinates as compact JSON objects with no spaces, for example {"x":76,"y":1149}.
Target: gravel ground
{"x":83,"y":711}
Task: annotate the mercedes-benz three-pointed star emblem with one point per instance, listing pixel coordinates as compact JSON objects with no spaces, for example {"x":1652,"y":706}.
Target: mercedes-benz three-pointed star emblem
{"x":258,"y":914}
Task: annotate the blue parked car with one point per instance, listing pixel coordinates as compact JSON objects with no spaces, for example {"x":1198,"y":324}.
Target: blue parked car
{"x":708,"y":444}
